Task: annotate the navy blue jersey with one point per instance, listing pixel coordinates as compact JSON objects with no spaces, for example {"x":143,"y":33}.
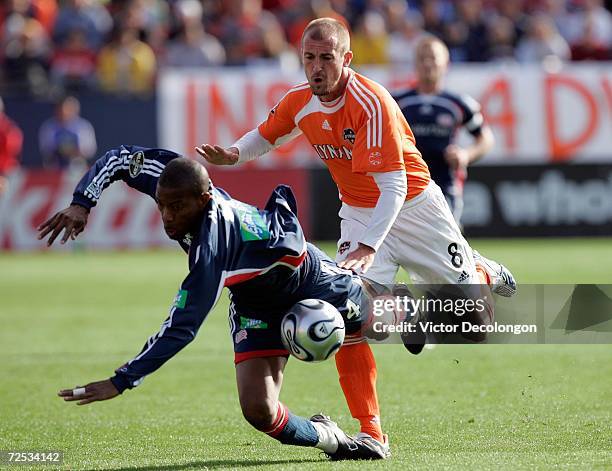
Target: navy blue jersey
{"x":260,"y":255}
{"x":435,"y":120}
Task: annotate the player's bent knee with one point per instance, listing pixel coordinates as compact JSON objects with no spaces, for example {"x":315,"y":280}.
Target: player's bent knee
{"x":259,"y":413}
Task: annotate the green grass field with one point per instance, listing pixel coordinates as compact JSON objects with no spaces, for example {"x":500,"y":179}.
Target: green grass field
{"x":70,"y":318}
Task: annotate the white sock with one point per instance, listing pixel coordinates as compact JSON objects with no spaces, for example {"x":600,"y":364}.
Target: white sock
{"x":327,"y":440}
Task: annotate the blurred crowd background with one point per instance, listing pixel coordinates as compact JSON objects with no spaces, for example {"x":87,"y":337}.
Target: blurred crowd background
{"x":119,"y":45}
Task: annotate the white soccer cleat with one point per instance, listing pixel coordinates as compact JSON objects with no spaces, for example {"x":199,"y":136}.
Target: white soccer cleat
{"x":502,"y":281}
{"x":382,"y":446}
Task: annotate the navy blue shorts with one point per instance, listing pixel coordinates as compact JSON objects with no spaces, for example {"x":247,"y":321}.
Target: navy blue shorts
{"x":257,"y":334}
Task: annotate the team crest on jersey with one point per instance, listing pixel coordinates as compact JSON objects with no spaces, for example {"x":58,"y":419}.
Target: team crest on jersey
{"x":349,"y":135}
{"x":375,"y":158}
{"x":136,"y":164}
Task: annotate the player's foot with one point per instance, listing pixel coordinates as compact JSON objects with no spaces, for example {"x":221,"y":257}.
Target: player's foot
{"x":348,"y":448}
{"x":502,"y":281}
{"x":382,"y":446}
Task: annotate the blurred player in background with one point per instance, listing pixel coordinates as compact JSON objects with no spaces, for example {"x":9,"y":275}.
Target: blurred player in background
{"x":435,"y":115}
{"x":229,"y":244}
{"x":392,"y":214}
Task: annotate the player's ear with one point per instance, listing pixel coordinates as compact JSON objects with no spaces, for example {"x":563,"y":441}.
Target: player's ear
{"x":205,"y":198}
{"x":348,"y":57}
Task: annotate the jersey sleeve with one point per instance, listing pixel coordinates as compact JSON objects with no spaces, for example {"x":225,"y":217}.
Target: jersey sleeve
{"x":139,"y":167}
{"x":196,"y":297}
{"x":379,"y":143}
{"x":279,"y":127}
{"x":473,"y":119}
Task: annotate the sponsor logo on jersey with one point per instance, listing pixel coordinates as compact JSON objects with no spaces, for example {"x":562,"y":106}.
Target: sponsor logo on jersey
{"x":252,"y":224}
{"x":344,"y":246}
{"x":445,"y":120}
{"x":136,"y":164}
{"x":329,"y":152}
{"x":180,"y":300}
{"x":326,"y":125}
{"x":240,"y":336}
{"x":246,"y":323}
{"x":349,"y":135}
{"x":375,"y":158}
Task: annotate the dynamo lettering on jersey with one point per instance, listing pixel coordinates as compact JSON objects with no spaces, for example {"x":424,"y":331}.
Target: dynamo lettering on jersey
{"x":361,"y":132}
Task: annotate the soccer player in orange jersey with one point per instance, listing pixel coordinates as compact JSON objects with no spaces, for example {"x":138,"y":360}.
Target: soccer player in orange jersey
{"x":392,"y":213}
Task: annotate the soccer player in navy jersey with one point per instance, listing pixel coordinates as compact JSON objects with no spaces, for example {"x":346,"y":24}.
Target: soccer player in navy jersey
{"x":435,"y":115}
{"x":235,"y":245}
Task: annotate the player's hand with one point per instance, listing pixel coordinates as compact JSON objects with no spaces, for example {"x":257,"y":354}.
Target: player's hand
{"x":359,"y":259}
{"x":217,"y":155}
{"x":456,"y":157}
{"x":71,"y":220}
{"x":92,"y":392}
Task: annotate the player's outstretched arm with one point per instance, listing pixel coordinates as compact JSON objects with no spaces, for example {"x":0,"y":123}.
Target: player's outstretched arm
{"x":217,"y":155}
{"x":71,"y":220}
{"x":92,"y":392}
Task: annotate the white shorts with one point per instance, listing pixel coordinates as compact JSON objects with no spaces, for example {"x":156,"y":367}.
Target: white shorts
{"x":424,"y":240}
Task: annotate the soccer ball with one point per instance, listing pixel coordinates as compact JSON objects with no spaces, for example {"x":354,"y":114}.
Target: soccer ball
{"x":312,"y":330}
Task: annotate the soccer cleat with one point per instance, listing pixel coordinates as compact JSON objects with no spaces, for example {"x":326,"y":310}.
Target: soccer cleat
{"x":502,"y":281}
{"x":382,"y":446}
{"x":349,"y":448}
{"x":414,"y":341}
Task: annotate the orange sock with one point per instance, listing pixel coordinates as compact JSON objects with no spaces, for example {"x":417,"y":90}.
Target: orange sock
{"x":357,"y":372}
{"x":485,"y":279}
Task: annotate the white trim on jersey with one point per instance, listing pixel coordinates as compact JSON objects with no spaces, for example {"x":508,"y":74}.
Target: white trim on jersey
{"x":373,"y":110}
{"x":378,"y":111}
{"x":315,"y":105}
{"x":260,"y":271}
{"x":450,"y":105}
{"x":368,"y":112}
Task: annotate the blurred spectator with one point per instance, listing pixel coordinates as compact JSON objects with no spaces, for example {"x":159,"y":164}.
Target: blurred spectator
{"x":194,"y":48}
{"x":25,"y":47}
{"x":593,"y":12}
{"x":250,"y":34}
{"x":470,"y":15}
{"x":88,"y":16}
{"x":513,"y":12}
{"x":542,"y":42}
{"x":501,"y":35}
{"x":67,"y":140}
{"x":306,"y":11}
{"x":126,"y":65}
{"x":73,"y":65}
{"x":370,"y":40}
{"x":150,"y":17}
{"x":403,"y":41}
{"x":42,"y":10}
{"x":589,"y":46}
{"x":433,"y":18}
{"x":11,"y":140}
{"x":456,"y":36}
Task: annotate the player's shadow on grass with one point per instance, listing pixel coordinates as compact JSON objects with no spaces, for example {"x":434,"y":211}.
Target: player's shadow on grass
{"x":214,"y":464}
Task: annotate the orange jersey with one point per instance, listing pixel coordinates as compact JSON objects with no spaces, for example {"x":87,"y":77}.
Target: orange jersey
{"x":361,"y":132}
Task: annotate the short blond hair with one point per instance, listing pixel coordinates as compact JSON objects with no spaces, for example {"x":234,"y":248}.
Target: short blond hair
{"x":327,"y":28}
{"x":431,"y":40}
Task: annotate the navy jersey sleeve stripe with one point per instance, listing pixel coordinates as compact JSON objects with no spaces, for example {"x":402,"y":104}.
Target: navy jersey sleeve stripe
{"x":139,"y":167}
